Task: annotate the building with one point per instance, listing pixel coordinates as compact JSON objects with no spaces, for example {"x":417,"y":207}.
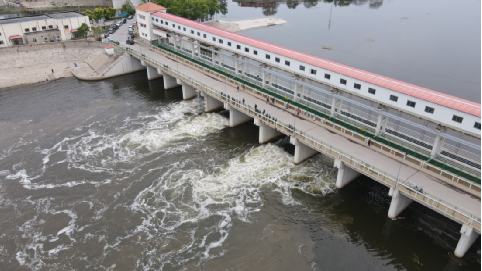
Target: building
{"x":40,"y":29}
{"x":422,"y":103}
{"x":144,"y":23}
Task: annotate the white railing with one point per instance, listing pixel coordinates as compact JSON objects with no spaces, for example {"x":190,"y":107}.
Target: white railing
{"x":431,"y":201}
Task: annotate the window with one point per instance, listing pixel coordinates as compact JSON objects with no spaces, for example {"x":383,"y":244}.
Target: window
{"x":44,"y":28}
{"x":313,"y":72}
{"x":411,"y":104}
{"x":343,"y":81}
{"x":229,"y":43}
{"x":162,"y":21}
{"x":327,"y":76}
{"x":34,"y":28}
{"x":221,"y":41}
{"x":238,"y":47}
{"x":199,"y":34}
{"x":192,"y":32}
{"x":179,"y":27}
{"x":167,"y":23}
{"x":246,"y":50}
{"x":302,"y":68}
{"x":429,"y":109}
{"x":204,"y":35}
{"x":276,"y":59}
{"x":287,"y":63}
{"x":173,"y":25}
{"x":255,"y":52}
{"x":268,"y":57}
{"x":393,"y":98}
{"x":357,"y":86}
{"x":66,"y":26}
{"x":152,"y":18}
{"x":214,"y":39}
{"x":184,"y":28}
{"x":1,"y":41}
{"x":371,"y":91}
{"x":142,"y":16}
{"x":34,"y":40}
{"x":476,"y":125}
{"x":457,"y":119}
{"x":27,"y":30}
{"x":51,"y":26}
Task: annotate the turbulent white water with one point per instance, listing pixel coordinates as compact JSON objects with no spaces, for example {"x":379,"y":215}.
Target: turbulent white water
{"x":184,"y":215}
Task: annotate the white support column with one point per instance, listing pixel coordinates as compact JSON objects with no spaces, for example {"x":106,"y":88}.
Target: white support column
{"x":236,"y":65}
{"x":302,"y":152}
{"x":211,"y":104}
{"x":263,"y":77}
{"x":295,"y":98}
{"x":151,"y":71}
{"x":437,"y":146}
{"x":188,"y":92}
{"x":169,"y":81}
{"x":468,"y":237}
{"x":336,"y":104}
{"x":266,"y":133}
{"x":381,"y":124}
{"x":398,"y":204}
{"x":345,"y":174}
{"x":236,"y":117}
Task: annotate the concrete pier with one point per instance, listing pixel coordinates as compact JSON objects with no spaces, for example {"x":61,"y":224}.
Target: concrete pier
{"x":468,"y":237}
{"x":398,"y":204}
{"x":188,"y":92}
{"x":345,"y":174}
{"x":151,"y":71}
{"x":235,"y":117}
{"x":302,"y":152}
{"x":211,"y":104}
{"x":169,"y":81}
{"x":266,"y":133}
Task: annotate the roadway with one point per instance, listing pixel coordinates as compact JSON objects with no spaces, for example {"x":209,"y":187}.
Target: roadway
{"x":431,"y":185}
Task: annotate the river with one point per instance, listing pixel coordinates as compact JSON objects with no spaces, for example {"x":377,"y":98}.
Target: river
{"x":430,"y":43}
{"x":123,"y":175}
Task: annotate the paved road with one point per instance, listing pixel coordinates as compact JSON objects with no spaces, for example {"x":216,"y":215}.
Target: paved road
{"x":390,"y":165}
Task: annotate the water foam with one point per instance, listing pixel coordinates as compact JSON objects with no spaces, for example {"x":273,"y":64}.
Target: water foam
{"x":204,"y":202}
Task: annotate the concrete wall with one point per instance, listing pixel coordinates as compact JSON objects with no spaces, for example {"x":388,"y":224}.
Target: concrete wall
{"x":25,"y":56}
{"x":126,"y":64}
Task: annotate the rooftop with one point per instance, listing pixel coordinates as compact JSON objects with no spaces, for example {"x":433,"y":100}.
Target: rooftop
{"x":376,"y":79}
{"x":57,"y":15}
{"x":149,"y":7}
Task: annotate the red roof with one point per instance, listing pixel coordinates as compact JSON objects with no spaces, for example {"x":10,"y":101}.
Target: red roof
{"x":426,"y":94}
{"x":73,"y":30}
{"x":109,"y":47}
{"x":148,"y":7}
{"x":15,"y":37}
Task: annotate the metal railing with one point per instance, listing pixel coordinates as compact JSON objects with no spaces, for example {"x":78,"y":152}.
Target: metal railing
{"x":379,"y":175}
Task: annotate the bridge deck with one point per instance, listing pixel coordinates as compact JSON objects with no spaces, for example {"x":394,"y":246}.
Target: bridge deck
{"x":430,"y":184}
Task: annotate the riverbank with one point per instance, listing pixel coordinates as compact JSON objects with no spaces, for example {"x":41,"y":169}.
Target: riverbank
{"x":236,"y":26}
{"x":32,"y":64}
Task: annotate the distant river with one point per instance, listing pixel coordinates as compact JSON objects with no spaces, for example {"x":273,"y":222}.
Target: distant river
{"x":430,"y":43}
{"x":122,"y":175}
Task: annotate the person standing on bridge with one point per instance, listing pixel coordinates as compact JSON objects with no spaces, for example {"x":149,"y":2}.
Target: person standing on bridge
{"x":237,"y":89}
{"x":255,"y":107}
{"x":298,"y":112}
{"x":369,"y":142}
{"x":267,"y":100}
{"x":243,"y":100}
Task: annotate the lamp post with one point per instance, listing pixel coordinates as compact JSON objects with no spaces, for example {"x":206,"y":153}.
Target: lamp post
{"x":398,"y":174}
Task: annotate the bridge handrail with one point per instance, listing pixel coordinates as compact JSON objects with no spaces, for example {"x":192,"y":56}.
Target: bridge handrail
{"x":437,"y":203}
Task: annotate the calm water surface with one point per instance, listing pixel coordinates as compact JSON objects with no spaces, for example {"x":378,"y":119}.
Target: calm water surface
{"x":430,"y":43}
{"x":122,"y":175}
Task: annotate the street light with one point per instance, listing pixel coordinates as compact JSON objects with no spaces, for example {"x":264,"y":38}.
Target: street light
{"x":398,"y":174}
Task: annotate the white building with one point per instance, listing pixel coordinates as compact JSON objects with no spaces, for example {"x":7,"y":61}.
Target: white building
{"x":41,"y":28}
{"x":144,"y":23}
{"x":439,"y":108}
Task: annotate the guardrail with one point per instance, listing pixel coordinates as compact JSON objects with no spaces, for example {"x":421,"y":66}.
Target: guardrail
{"x":431,"y":201}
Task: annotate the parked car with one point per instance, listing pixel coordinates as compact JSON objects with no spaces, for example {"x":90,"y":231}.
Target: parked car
{"x":130,"y":32}
{"x":111,"y":31}
{"x":134,"y":23}
{"x":133,"y":36}
{"x":130,"y":17}
{"x":115,"y":27}
{"x":124,"y":21}
{"x":130,"y":41}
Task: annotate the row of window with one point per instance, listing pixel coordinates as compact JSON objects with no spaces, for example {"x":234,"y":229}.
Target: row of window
{"x":45,"y":39}
{"x":43,"y":28}
{"x":372,"y":91}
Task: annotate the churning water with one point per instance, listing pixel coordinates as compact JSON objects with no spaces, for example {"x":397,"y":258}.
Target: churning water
{"x":122,"y":175}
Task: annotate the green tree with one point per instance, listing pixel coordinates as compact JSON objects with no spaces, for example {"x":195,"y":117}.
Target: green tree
{"x":191,"y":9}
{"x":88,"y":12}
{"x":98,"y":13}
{"x":292,"y":4}
{"x":128,"y":9}
{"x":109,"y":12}
{"x":82,"y":30}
